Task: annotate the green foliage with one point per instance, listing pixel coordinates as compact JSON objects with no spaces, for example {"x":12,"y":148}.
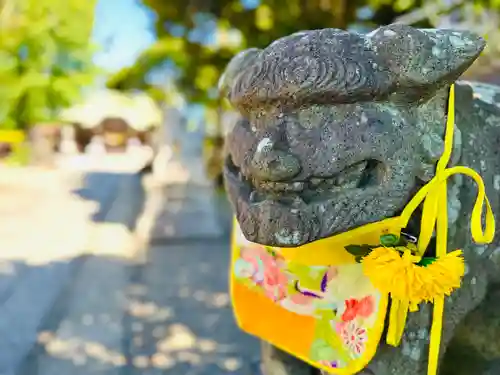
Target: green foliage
{"x":20,"y":156}
{"x":201,"y":36}
{"x":387,"y":240}
{"x":45,"y":58}
{"x":426,"y":261}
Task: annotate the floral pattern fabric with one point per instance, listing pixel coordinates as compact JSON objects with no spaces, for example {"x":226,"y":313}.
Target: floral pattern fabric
{"x":341,"y":299}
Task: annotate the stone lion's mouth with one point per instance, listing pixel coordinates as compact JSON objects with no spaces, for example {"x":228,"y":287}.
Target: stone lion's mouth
{"x":362,"y":175}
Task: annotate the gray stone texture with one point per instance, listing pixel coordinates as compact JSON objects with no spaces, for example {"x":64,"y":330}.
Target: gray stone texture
{"x":340,"y":129}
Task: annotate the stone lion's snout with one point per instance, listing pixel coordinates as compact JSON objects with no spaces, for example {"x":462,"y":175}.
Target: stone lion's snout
{"x":272,"y":163}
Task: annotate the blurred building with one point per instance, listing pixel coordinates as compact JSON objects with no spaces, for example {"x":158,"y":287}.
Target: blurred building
{"x":115,"y":117}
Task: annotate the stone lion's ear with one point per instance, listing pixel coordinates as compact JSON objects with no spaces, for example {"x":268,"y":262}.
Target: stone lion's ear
{"x":425,"y":57}
{"x":235,"y":66}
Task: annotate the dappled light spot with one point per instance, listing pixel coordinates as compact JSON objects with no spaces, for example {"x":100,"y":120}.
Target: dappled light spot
{"x":180,"y":338}
{"x":112,"y":239}
{"x":98,"y":351}
{"x":162,"y":361}
{"x":206,"y":345}
{"x":141,"y":362}
{"x":78,"y":350}
{"x":119,"y":360}
{"x":149,"y":311}
{"x":44,"y":337}
{"x":231,"y":364}
{"x":189,"y":357}
{"x":220,"y":300}
{"x":58,"y":347}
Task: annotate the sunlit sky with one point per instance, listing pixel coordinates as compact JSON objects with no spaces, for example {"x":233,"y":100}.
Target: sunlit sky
{"x":123,"y":29}
{"x":124,"y":26}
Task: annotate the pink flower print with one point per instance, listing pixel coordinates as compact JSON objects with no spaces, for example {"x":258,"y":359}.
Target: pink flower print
{"x":353,"y":337}
{"x":250,"y":265}
{"x":275,"y":280}
{"x":302,"y":299}
{"x":355,"y":307}
{"x":256,"y":264}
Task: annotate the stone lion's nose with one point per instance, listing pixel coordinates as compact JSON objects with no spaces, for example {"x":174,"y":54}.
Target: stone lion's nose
{"x":271,"y":164}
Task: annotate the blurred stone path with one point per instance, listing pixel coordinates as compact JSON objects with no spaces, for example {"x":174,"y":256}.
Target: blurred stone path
{"x":154,"y":302}
{"x":51,"y":221}
{"x":180,"y":317}
{"x":43,"y":230}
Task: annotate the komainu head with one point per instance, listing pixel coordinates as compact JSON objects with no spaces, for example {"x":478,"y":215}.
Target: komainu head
{"x":337,"y":129}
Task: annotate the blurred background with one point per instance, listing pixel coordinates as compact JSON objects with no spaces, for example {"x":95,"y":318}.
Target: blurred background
{"x":114,"y":230}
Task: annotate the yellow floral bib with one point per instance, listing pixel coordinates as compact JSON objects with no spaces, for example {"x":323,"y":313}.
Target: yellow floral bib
{"x":326,"y":302}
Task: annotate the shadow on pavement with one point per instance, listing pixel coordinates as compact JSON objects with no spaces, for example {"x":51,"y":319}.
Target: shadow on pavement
{"x":47,"y":292}
{"x":189,"y":285}
{"x":169,"y":315}
{"x":165,"y":312}
{"x":102,"y":187}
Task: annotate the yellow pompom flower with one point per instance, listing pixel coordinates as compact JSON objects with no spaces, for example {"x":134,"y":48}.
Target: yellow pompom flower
{"x":406,"y":276}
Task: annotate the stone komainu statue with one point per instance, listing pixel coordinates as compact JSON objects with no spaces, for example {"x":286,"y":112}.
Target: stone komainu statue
{"x":340,"y":129}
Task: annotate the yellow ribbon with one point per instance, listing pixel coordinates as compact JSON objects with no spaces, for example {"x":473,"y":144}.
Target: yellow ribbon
{"x":435,"y":216}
